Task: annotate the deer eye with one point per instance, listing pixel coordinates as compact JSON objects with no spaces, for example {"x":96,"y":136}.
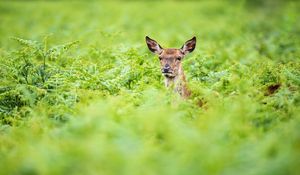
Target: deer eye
{"x":178,"y":58}
{"x":160,"y":58}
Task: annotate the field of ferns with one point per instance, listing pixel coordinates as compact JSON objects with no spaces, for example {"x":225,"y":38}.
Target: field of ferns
{"x":80,"y":93}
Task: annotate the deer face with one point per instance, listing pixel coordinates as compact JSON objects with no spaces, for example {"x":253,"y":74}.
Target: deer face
{"x":170,"y":59}
{"x":170,"y":62}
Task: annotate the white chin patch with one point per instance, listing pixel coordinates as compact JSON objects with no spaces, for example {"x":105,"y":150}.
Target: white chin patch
{"x":168,"y":75}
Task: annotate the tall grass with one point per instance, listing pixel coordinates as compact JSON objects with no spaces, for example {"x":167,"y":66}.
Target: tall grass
{"x":81,"y":94}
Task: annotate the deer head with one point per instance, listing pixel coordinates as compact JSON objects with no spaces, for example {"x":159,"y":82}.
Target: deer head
{"x":170,"y":59}
{"x":170,"y":63}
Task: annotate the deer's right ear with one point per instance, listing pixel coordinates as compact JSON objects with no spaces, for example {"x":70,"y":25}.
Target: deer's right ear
{"x":189,"y":46}
{"x":153,"y":45}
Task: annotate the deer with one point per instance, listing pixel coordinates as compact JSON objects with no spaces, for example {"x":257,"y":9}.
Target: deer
{"x":170,"y":63}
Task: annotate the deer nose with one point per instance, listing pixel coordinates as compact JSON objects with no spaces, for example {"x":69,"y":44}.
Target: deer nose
{"x":166,"y":68}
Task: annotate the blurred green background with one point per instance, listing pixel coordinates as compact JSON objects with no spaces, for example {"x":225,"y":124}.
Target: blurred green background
{"x":81,"y":94}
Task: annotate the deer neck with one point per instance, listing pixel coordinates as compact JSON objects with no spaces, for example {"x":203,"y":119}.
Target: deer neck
{"x":178,"y":83}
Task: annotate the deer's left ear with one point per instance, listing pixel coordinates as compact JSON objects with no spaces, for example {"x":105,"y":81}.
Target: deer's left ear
{"x":189,"y":46}
{"x":153,"y":45}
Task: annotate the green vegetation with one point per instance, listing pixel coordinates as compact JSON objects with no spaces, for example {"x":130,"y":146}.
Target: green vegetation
{"x":81,"y":94}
